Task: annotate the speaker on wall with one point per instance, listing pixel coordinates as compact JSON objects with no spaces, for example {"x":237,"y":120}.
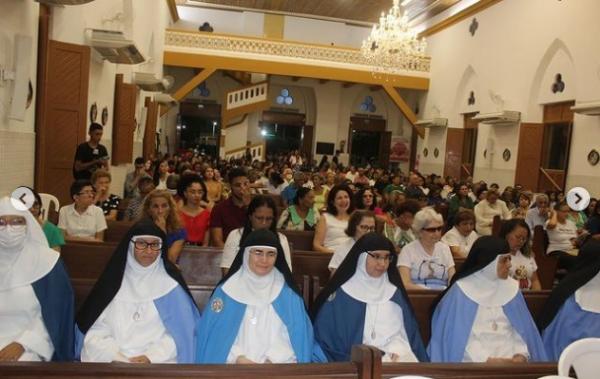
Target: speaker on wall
{"x":22,"y":65}
{"x":325,"y":148}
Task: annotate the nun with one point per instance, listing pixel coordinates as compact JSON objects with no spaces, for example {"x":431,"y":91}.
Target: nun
{"x":140,"y":310}
{"x":482,"y":316}
{"x":572,"y":311}
{"x":36,"y":298}
{"x":256,"y":314}
{"x":366,"y":303}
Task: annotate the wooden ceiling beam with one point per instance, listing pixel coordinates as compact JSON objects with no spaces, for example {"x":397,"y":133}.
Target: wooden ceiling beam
{"x":404,"y":108}
{"x":188,"y":87}
{"x":348,"y":85}
{"x":173,"y":10}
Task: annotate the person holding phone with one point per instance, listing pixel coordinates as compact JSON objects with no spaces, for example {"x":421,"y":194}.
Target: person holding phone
{"x":91,"y":155}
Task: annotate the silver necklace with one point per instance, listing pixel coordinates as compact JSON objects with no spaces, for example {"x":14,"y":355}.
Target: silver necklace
{"x":373,"y":334}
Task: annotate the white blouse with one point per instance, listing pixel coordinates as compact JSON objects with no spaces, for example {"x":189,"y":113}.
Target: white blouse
{"x":335,"y":234}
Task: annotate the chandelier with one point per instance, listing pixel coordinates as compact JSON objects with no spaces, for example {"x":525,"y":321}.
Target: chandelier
{"x":393,"y":47}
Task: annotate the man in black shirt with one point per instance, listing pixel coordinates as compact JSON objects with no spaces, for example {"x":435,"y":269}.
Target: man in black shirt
{"x":90,"y":155}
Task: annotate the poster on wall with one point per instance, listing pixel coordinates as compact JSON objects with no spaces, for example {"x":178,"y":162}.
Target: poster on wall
{"x":399,"y":149}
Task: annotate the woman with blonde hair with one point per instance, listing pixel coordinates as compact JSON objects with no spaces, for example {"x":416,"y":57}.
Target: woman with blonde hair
{"x":160,"y":207}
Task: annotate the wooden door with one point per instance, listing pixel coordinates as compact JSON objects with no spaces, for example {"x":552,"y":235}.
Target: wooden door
{"x":62,"y":116}
{"x":123,"y":122}
{"x":529,"y":156}
{"x":454,"y":151}
{"x":307,"y":141}
{"x":385,"y":140}
{"x":149,"y":144}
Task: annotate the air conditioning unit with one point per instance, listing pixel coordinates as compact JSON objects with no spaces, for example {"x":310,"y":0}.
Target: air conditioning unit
{"x":64,"y":2}
{"x":114,"y":47}
{"x":165,"y":98}
{"x":591,"y":108}
{"x":433,"y":123}
{"x":499,"y":118}
{"x":149,"y":81}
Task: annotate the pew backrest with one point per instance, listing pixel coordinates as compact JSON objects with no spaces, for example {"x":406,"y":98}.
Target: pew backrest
{"x":546,"y":264}
{"x":117,"y":230}
{"x":302,"y":240}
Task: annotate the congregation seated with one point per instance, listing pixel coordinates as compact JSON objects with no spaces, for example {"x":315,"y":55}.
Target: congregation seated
{"x":487,"y":209}
{"x":145,"y":185}
{"x":365,"y":302}
{"x":230,"y":214}
{"x":523,"y":267}
{"x":160,"y":207}
{"x":572,"y":311}
{"x":161,"y":173}
{"x":524,"y":202}
{"x":132,"y":179}
{"x":538,"y":215}
{"x":82,"y":220}
{"x":329,"y":233}
{"x":108,"y":202}
{"x":289,"y":193}
{"x":462,"y":235}
{"x":256,"y":313}
{"x":194,"y":211}
{"x":562,"y":236}
{"x":214,"y":188}
{"x":365,"y":199}
{"x":36,"y":298}
{"x":53,"y":234}
{"x":262,"y":214}
{"x":361,"y":222}
{"x":140,"y":309}
{"x":483,"y":312}
{"x":302,"y":214}
{"x":320,"y":191}
{"x":426,"y":263}
{"x":399,"y":230}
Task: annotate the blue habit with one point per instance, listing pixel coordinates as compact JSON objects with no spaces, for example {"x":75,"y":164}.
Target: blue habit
{"x":55,"y":295}
{"x":453,"y":319}
{"x":219,"y":327}
{"x":179,"y":315}
{"x":570,"y":324}
{"x":340,"y":323}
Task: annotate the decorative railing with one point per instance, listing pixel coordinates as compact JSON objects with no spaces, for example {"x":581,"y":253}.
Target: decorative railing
{"x":257,"y":151}
{"x":269,"y":47}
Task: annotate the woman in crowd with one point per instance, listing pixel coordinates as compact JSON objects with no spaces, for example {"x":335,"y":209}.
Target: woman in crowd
{"x":261,"y":214}
{"x":365,"y":303}
{"x":592,"y":226}
{"x":104,"y":199}
{"x":487,"y":209}
{"x":140,"y":309}
{"x":426,"y":263}
{"x":161,"y":173}
{"x":214,"y":188}
{"x":53,"y":234}
{"x":36,"y":299}
{"x":320,"y":192}
{"x":523,"y":207}
{"x":579,"y":218}
{"x":365,"y":199}
{"x":194,"y":212}
{"x":572,"y":311}
{"x":82,"y":220}
{"x":399,"y":230}
{"x":301,"y":215}
{"x":329,"y":233}
{"x":276,"y":183}
{"x":329,"y":182}
{"x":160,"y":207}
{"x":460,"y":201}
{"x":483,"y":317}
{"x":361,"y":222}
{"x":508,"y":197}
{"x":461,"y":237}
{"x":562,"y":236}
{"x":256,"y":313}
{"x":523,"y":267}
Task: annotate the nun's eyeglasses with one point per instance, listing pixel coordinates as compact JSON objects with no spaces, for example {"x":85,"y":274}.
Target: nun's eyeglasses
{"x":384,"y":258}
{"x":143,"y":245}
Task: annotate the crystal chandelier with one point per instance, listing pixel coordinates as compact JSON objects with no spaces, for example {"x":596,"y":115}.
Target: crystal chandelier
{"x":393,"y":47}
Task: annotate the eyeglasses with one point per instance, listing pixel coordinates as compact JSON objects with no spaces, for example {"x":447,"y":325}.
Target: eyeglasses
{"x":143,"y":245}
{"x":86,"y":193}
{"x":381,"y":258}
{"x":433,"y":230}
{"x":263,"y":254}
{"x":366,"y":228}
{"x":17,"y":221}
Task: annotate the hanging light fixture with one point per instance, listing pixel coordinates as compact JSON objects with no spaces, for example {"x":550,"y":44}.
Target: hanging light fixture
{"x":393,"y":47}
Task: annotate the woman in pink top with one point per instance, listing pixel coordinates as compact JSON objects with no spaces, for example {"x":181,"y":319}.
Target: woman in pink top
{"x":193,"y":213}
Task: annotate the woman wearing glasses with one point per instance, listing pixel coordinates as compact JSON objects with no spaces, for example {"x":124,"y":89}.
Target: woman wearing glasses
{"x":360,"y":223}
{"x":426,"y":263}
{"x":36,"y":299}
{"x":140,"y":310}
{"x":82,"y":220}
{"x":261,"y":214}
{"x":365,"y":303}
{"x":256,"y":313}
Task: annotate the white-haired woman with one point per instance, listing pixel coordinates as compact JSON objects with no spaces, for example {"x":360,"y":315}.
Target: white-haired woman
{"x":426,"y":263}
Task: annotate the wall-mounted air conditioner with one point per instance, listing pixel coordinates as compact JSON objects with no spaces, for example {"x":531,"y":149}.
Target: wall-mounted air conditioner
{"x":165,"y":98}
{"x":499,"y":118}
{"x":149,"y":81}
{"x":591,"y":108}
{"x":433,"y":123}
{"x":64,"y":2}
{"x":114,"y":47}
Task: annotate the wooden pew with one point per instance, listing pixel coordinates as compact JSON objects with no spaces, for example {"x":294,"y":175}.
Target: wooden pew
{"x":465,"y":370}
{"x":117,"y":230}
{"x":302,"y":240}
{"x":546,"y":264}
{"x":359,"y":368}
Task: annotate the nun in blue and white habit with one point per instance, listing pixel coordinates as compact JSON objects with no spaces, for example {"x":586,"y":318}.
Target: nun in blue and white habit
{"x":482,"y":316}
{"x":256,"y":314}
{"x":36,"y":298}
{"x":140,"y":310}
{"x":572,"y":311}
{"x":366,"y":303}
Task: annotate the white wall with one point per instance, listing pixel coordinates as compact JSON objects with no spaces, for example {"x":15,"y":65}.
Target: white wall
{"x":324,"y":32}
{"x":515,"y":54}
{"x":222,"y":21}
{"x":17,"y":138}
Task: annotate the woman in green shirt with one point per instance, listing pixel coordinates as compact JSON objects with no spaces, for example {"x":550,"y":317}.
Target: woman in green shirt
{"x":460,"y":200}
{"x":53,"y":234}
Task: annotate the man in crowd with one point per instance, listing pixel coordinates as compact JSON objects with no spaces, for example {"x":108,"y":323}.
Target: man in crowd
{"x":231,"y":213}
{"x":90,"y":155}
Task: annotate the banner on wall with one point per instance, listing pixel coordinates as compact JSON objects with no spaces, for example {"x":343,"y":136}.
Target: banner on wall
{"x":399,"y":149}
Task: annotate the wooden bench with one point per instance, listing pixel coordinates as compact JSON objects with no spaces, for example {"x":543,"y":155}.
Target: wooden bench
{"x":547,"y":265}
{"x":301,"y":240}
{"x":465,"y":370}
{"x":117,"y":230}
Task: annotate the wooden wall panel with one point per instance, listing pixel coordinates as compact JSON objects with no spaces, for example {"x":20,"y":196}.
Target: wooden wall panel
{"x":529,"y":156}
{"x":454,"y":150}
{"x":123,"y":122}
{"x":149,"y":146}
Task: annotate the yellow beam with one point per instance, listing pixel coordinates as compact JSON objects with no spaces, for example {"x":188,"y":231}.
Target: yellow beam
{"x":465,"y":13}
{"x":189,"y":86}
{"x":404,"y":108}
{"x":173,"y":10}
{"x":196,"y":60}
